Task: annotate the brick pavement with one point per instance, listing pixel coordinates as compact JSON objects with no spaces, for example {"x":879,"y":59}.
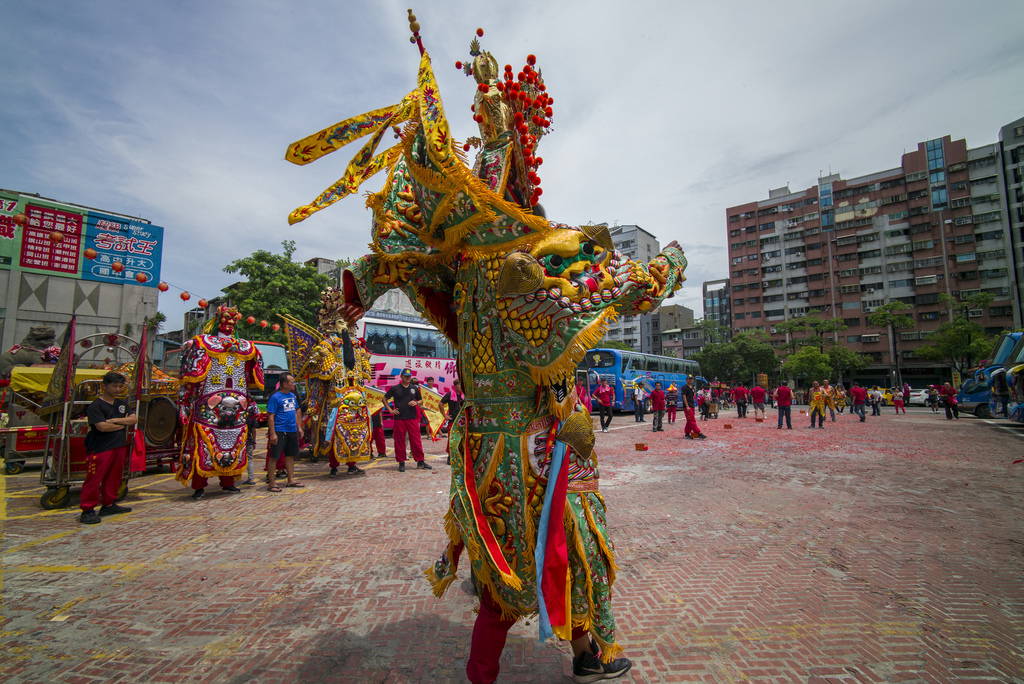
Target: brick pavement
{"x":890,"y":551}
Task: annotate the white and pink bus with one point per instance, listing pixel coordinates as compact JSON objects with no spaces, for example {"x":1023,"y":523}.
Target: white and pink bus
{"x":398,"y":341}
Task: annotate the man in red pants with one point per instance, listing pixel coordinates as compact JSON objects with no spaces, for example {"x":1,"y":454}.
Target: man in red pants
{"x":407,"y":401}
{"x":691,"y":430}
{"x":106,"y":447}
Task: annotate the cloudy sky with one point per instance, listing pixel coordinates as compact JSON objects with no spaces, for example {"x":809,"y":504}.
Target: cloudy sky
{"x":666,"y":113}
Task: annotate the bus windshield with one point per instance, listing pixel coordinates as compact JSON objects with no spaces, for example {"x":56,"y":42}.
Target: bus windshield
{"x":274,"y":355}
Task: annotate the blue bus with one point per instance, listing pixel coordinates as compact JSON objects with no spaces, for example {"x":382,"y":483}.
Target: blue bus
{"x":1003,"y":377}
{"x":623,"y":369}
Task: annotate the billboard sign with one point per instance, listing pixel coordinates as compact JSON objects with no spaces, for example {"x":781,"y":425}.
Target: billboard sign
{"x":54,"y":238}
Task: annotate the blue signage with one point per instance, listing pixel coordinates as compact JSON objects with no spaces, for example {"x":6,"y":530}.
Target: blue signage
{"x":136,"y":246}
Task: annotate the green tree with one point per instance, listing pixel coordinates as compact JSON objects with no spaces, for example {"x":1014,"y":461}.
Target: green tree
{"x":808,"y":364}
{"x":274,"y":285}
{"x":813,"y":322}
{"x":889,"y":316}
{"x":713,"y":330}
{"x":615,"y":344}
{"x":742,"y":358}
{"x":960,"y":342}
{"x":845,"y":361}
{"x":155,"y":322}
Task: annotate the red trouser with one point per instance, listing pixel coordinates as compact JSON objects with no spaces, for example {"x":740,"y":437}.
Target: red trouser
{"x":691,"y":422}
{"x":335,"y":463}
{"x":488,"y":641}
{"x":671,"y":413}
{"x":199,"y":482}
{"x":379,"y":441}
{"x":103,"y":473}
{"x":409,"y":427}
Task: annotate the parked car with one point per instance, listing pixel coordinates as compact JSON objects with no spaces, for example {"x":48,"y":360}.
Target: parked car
{"x":918,"y":397}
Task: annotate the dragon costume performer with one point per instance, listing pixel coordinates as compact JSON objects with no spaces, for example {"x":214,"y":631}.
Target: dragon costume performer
{"x":217,"y":372}
{"x":337,"y":370}
{"x":521,"y":299}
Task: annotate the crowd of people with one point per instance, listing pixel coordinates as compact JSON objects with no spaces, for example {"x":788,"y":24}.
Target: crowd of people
{"x":821,"y":398}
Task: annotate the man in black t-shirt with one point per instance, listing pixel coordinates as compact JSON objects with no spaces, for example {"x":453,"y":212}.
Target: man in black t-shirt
{"x":691,"y":431}
{"x":106,"y":447}
{"x":403,"y":401}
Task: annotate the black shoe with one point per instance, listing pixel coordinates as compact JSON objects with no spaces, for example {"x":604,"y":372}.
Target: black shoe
{"x":89,"y":518}
{"x":232,"y":488}
{"x":381,"y":456}
{"x":422,"y":465}
{"x":589,"y":668}
{"x":448,"y":461}
{"x":354,"y":470}
{"x":333,"y":473}
{"x":702,"y":436}
{"x":197,"y":495}
{"x":688,"y":436}
{"x":401,"y":467}
{"x":113,"y":509}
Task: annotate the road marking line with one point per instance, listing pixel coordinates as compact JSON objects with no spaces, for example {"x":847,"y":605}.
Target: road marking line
{"x":1017,"y":432}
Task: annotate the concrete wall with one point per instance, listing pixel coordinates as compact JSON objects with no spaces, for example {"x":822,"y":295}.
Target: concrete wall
{"x":31,"y":299}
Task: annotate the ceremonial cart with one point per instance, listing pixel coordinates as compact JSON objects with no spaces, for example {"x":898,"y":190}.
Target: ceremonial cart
{"x":46,"y":411}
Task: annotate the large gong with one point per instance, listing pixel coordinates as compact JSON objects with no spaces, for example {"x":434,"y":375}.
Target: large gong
{"x":161,"y":421}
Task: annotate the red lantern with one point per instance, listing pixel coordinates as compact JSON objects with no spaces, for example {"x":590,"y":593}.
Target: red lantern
{"x":263,"y":324}
{"x":185,"y":296}
{"x":117,"y":267}
{"x":163,"y":287}
{"x":20,"y":219}
{"x":141,"y":277}
{"x":275,"y":327}
{"x":203,"y":303}
{"x":250,"y":320}
{"x":90,"y":253}
{"x":56,"y":236}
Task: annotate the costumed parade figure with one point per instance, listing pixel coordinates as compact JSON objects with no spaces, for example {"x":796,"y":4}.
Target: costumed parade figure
{"x":337,"y":371}
{"x":521,"y":299}
{"x":217,"y":372}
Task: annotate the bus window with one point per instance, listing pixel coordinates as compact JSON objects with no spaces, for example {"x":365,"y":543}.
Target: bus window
{"x":387,"y":339}
{"x":600,"y":359}
{"x":426,"y":343}
{"x":652,"y":364}
{"x":275,"y":357}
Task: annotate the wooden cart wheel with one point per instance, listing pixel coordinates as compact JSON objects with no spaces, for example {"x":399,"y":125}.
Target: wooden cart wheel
{"x":14,"y":467}
{"x":122,"y":491}
{"x":55,"y":497}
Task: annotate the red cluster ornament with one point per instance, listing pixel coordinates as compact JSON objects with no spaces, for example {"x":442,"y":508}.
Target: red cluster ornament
{"x":90,"y":253}
{"x":162,"y":286}
{"x":141,"y":277}
{"x":275,"y":327}
{"x":56,"y":236}
{"x":203,"y":303}
{"x":250,"y":320}
{"x":117,"y":267}
{"x":185,"y":296}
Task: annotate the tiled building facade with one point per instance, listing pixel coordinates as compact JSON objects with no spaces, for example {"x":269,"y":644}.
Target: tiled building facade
{"x":935,"y":224}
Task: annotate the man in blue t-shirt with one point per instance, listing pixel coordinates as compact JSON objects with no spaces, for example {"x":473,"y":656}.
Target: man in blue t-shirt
{"x":283,"y":419}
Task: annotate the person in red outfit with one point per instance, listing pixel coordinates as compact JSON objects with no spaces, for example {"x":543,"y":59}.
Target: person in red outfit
{"x":658,"y":408}
{"x":784,"y":402}
{"x":739,"y":397}
{"x":106,"y":447}
{"x":757,"y":396}
{"x":407,"y":400}
{"x":952,"y":405}
{"x":860,"y":395}
{"x":688,"y":394}
{"x":605,"y":395}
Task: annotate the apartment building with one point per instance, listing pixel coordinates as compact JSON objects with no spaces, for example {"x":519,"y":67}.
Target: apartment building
{"x":636,"y":331}
{"x":1011,"y":148}
{"x":935,"y":224}
{"x":678,"y":337}
{"x":717,"y":305}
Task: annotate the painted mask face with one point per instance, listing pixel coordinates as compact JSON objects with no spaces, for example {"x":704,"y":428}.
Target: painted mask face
{"x":351,"y":405}
{"x":227,"y":319}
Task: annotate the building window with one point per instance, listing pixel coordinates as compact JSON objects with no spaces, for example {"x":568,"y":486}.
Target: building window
{"x":928,"y":316}
{"x":853,"y":339}
{"x":939,"y":198}
{"x":752,"y":257}
{"x":851,"y":305}
{"x":924,"y":244}
{"x":869,"y":338}
{"x":851,"y":322}
{"x":926,"y":280}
